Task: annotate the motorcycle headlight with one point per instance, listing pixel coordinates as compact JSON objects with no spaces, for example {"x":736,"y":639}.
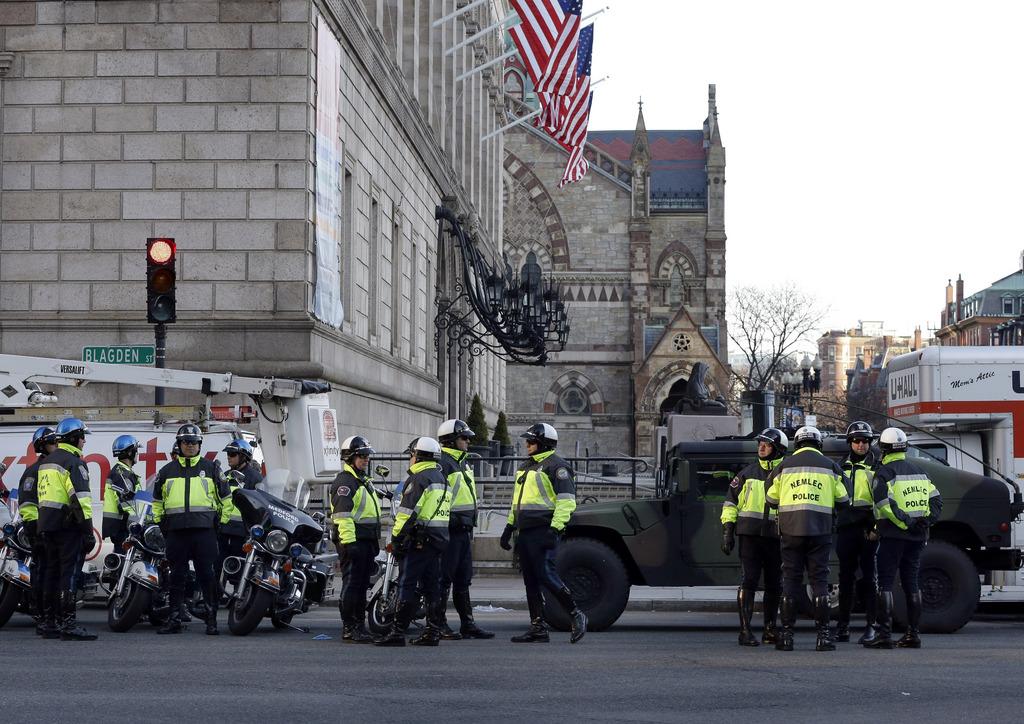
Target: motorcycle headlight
{"x":154,"y":538}
{"x":296,"y":550}
{"x":277,"y":541}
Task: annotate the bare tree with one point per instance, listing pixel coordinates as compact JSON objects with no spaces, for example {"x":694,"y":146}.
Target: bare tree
{"x":766,"y":324}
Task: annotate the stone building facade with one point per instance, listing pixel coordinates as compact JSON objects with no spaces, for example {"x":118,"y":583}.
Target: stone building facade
{"x":197,"y":120}
{"x":638,"y":247}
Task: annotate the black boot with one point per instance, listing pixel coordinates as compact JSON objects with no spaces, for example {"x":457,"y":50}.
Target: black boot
{"x":174,"y":620}
{"x":870,"y":606}
{"x":788,"y":610}
{"x":69,"y":628}
{"x":441,"y":617}
{"x":40,"y":624}
{"x":403,"y":617}
{"x":50,"y":629}
{"x":538,"y":632}
{"x":912,"y":638}
{"x":883,"y":638}
{"x":431,"y":635}
{"x":577,"y":619}
{"x":845,"y":608}
{"x":771,"y":612}
{"x":821,"y":616}
{"x":745,"y":604}
{"x":468,"y":627}
{"x":211,"y":623}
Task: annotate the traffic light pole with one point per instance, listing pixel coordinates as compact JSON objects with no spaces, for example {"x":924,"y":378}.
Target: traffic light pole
{"x":161,"y":355}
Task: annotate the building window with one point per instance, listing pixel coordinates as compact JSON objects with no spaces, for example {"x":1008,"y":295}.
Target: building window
{"x":374,"y":258}
{"x":573,"y":401}
{"x":1007,"y":305}
{"x":681,"y":342}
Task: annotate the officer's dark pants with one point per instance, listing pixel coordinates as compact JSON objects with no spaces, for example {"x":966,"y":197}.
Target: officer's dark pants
{"x":902,"y":556}
{"x":539,"y":572}
{"x":810,"y":552}
{"x":63,"y":567}
{"x":118,"y":538}
{"x":229,"y":545}
{"x":421,"y":568}
{"x":200,"y":546}
{"x":356,"y":568}
{"x":37,"y":569}
{"x":761,"y":554}
{"x":856,"y":552}
{"x":457,"y":562}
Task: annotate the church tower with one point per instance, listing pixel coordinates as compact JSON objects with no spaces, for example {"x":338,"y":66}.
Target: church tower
{"x":714,"y":235}
{"x":640,"y":237}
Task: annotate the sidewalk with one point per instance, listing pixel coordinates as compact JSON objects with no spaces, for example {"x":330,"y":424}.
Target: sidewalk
{"x":508,"y":592}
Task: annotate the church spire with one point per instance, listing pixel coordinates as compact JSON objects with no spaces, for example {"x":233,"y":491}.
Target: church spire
{"x":640,"y":158}
{"x":641,"y":147}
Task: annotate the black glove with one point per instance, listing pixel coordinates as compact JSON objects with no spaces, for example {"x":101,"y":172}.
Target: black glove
{"x":921,"y":524}
{"x":506,"y":538}
{"x":130,"y":495}
{"x":30,"y":531}
{"x":728,"y":538}
{"x":343,"y":553}
{"x":551,"y":537}
{"x":401,"y":544}
{"x":88,"y":541}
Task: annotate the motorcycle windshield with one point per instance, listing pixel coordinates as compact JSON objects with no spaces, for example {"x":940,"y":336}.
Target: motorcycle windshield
{"x":258,"y":507}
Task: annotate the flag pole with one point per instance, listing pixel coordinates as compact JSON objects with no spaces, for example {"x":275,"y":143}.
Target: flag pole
{"x":528,"y":116}
{"x":449,"y":16}
{"x":596,"y":12}
{"x":488,"y":64}
{"x":513,"y":124}
{"x":489,"y":28}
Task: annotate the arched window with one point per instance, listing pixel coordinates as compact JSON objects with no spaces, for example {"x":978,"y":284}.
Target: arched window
{"x":675,"y":287}
{"x":573,"y":400}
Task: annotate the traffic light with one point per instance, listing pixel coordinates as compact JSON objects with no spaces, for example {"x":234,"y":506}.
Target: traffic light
{"x":160,"y":281}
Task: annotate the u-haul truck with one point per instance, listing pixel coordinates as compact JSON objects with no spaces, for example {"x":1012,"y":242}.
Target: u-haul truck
{"x":965,"y":407}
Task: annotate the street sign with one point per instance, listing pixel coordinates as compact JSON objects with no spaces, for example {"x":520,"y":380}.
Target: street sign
{"x":142,"y":354}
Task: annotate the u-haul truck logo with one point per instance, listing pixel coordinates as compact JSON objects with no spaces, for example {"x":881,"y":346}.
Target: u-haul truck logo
{"x":903,"y":387}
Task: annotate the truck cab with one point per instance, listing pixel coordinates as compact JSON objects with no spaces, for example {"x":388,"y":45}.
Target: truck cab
{"x":674,"y":539}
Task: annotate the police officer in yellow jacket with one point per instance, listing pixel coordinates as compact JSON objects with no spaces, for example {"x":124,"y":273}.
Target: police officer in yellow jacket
{"x":806,"y":487}
{"x":907,"y":504}
{"x":232,"y":532}
{"x":457,"y":562}
{"x":187,"y":498}
{"x":65,"y":524}
{"x":420,"y":534}
{"x":355,"y":513}
{"x":856,"y":541}
{"x":119,"y":490}
{"x":746,"y":513}
{"x":543,"y":500}
{"x":44,"y":442}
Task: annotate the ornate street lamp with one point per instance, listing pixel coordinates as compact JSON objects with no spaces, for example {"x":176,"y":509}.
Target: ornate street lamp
{"x":518,"y":317}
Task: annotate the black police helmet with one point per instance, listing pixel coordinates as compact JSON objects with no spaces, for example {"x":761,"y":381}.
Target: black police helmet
{"x":42,"y":437}
{"x":776,"y":438}
{"x":543,"y":434}
{"x":355,"y":445}
{"x":451,"y":430}
{"x":189,"y":433}
{"x":859,"y":430}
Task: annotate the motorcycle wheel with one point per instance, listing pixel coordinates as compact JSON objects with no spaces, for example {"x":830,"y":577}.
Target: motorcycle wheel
{"x":245,"y":614}
{"x":281,"y":622}
{"x":382,"y":612}
{"x":126,"y":610}
{"x":9,"y":597}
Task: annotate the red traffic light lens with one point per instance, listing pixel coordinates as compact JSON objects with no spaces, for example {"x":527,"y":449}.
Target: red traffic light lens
{"x":162,"y":281}
{"x":161,"y":251}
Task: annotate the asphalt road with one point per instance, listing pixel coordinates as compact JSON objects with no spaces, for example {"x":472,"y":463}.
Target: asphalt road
{"x":651,"y":667}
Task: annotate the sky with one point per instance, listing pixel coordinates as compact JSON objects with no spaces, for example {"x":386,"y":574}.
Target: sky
{"x":874,"y":150}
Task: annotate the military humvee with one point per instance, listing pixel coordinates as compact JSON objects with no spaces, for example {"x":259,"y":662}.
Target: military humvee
{"x":674,"y":540}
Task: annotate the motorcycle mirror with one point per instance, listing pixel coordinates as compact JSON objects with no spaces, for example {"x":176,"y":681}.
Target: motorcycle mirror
{"x":382,"y":470}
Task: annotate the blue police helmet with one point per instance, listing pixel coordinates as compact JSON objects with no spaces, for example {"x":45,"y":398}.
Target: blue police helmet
{"x":71,"y":427}
{"x":124,"y":446}
{"x":239,"y":447}
{"x":42,"y":437}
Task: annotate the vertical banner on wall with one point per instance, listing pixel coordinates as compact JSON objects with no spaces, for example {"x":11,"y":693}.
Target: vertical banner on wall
{"x":327,"y":304}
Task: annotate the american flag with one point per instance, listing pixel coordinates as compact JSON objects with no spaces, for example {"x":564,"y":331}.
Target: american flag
{"x":546,"y":40}
{"x":572,"y":133}
{"x":535,"y":36}
{"x":574,"y":109}
{"x":559,"y":76}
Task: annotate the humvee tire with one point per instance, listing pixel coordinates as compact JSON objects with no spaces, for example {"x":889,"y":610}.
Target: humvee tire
{"x":598,"y":580}
{"x":950,"y":588}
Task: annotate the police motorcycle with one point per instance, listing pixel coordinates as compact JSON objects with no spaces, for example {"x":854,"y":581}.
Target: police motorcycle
{"x":279,"y":576}
{"x":140,"y":577}
{"x":384,"y":581}
{"x":15,"y":562}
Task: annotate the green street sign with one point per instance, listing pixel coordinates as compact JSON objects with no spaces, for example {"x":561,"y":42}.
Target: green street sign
{"x":120,"y":354}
